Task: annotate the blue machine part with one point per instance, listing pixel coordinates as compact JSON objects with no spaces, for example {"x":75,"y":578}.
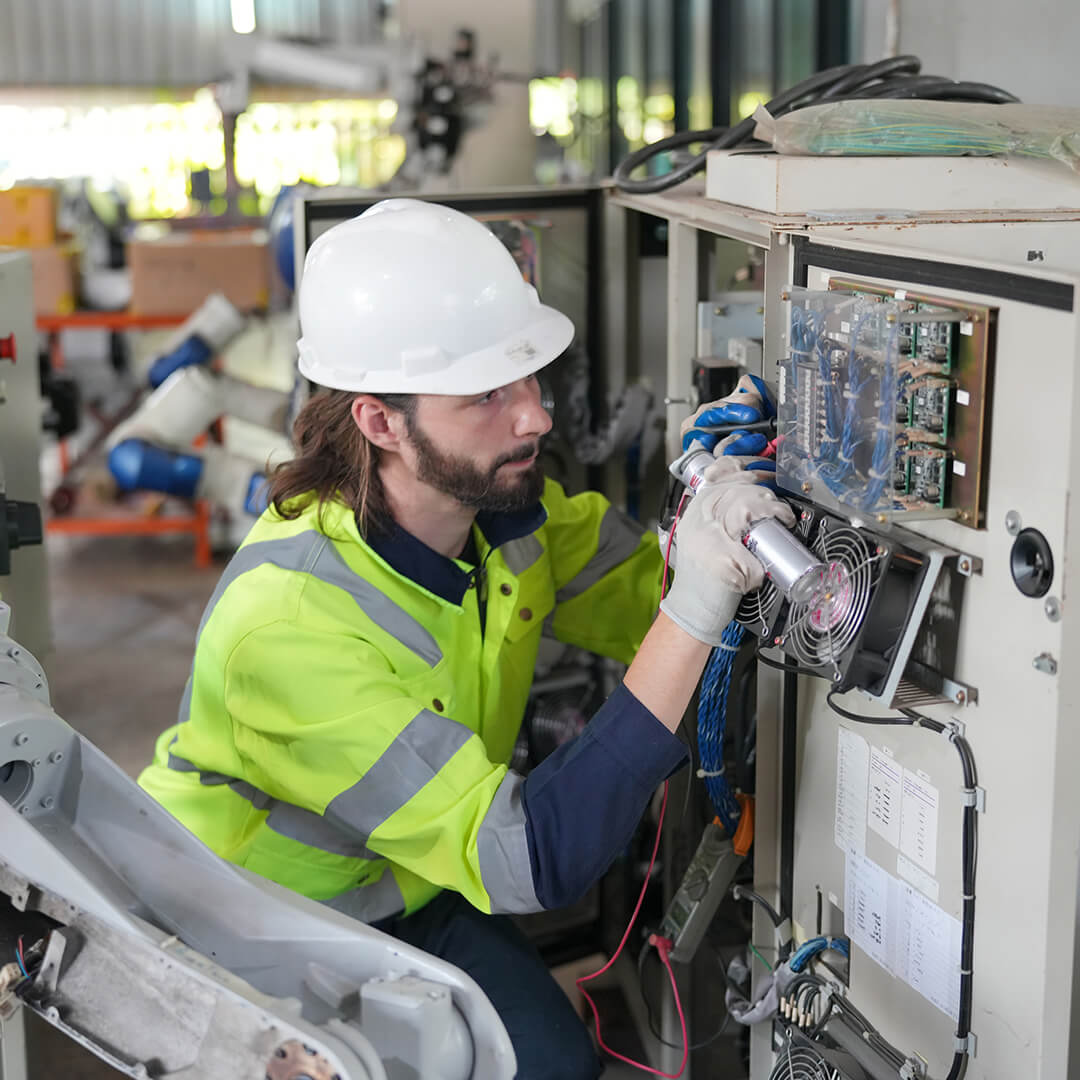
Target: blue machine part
{"x":257,"y":498}
{"x":139,"y":465}
{"x":279,"y":222}
{"x":193,"y":351}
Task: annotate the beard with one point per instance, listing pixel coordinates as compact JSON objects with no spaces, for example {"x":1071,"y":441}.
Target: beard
{"x":480,"y":489}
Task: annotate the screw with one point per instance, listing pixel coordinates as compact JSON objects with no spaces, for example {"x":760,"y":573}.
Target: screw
{"x":1012,"y":522}
{"x":961,"y":697}
{"x":881,"y":519}
{"x":963,"y":516}
{"x":785,"y":295}
{"x":807,"y":487}
{"x":434,"y":995}
{"x":47,"y":802}
{"x":24,"y":809}
{"x":965,"y":566}
{"x":1052,"y":608}
{"x":56,"y":757}
{"x":22,"y":739}
{"x":1045,"y":663}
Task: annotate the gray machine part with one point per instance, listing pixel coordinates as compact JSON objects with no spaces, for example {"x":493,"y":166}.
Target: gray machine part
{"x":169,"y":961}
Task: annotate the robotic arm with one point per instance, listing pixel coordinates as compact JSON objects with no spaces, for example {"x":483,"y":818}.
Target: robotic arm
{"x":153,"y":450}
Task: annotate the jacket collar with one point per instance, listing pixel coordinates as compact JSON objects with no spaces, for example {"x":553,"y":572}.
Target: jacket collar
{"x":444,"y":577}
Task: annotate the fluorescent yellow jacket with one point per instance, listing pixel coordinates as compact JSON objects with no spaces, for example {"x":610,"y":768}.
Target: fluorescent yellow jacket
{"x":347,"y":725}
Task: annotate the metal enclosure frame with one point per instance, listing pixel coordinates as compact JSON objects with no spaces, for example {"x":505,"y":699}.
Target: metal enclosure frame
{"x":1025,"y":264}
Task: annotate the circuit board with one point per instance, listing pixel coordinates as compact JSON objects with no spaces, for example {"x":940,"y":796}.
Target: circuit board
{"x":884,"y":397}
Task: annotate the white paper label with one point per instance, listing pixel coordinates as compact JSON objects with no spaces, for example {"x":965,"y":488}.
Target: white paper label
{"x":845,"y":327}
{"x":903,"y":931}
{"x":781,"y":390}
{"x":967,"y":329}
{"x":963,"y":397}
{"x":919,"y":821}
{"x":852,"y":777}
{"x":959,"y":468}
{"x":883,"y":815}
{"x":900,"y":294}
{"x":919,"y":878}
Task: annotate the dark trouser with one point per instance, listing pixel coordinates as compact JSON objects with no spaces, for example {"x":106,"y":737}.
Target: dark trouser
{"x":549,"y":1038}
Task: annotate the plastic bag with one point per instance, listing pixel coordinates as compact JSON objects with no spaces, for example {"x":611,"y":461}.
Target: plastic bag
{"x":936,"y":128}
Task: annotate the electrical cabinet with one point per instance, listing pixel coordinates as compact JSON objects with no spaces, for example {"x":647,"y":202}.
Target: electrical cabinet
{"x":25,"y":588}
{"x":926,"y":364}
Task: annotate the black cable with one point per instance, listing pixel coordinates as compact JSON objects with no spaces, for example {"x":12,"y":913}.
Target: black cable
{"x":861,"y":717}
{"x":651,"y":1017}
{"x":791,"y":669}
{"x":741,"y":892}
{"x":895,"y":77}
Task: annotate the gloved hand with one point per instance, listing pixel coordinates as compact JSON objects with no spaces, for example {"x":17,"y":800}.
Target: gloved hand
{"x":749,"y":403}
{"x":714,"y":568}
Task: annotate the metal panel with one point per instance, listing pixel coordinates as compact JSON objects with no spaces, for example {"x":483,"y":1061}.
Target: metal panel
{"x":178,"y":44}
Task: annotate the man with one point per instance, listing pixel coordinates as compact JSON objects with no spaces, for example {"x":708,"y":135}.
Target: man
{"x":362,"y":669}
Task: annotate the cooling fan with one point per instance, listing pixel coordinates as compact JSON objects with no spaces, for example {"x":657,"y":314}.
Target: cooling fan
{"x":884,"y":616}
{"x":820,"y":634}
{"x":802,"y":1059}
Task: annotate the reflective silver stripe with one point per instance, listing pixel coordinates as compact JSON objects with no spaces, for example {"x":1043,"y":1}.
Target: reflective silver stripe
{"x":314,"y":830}
{"x":405,"y":767}
{"x":520,"y":554}
{"x":503,"y":852}
{"x":184,"y":712}
{"x":369,"y":903}
{"x":312,"y":553}
{"x":287,"y":819}
{"x":616,"y":541}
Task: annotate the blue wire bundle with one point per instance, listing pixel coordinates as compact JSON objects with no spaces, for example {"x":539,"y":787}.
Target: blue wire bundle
{"x":712,"y":718}
{"x":807,"y":949}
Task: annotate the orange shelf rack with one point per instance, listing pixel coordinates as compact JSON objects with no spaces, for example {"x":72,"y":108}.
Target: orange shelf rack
{"x":197,"y":523}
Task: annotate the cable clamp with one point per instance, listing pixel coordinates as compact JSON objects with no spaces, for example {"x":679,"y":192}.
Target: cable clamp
{"x":976,"y":797}
{"x":966,"y":896}
{"x":954,"y":729}
{"x":727,"y":648}
{"x":966,"y":1044}
{"x":913,"y":1069}
{"x":877,"y":475}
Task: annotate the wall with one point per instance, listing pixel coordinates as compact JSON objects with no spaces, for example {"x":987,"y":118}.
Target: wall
{"x":1027,"y":48}
{"x":501,"y":151}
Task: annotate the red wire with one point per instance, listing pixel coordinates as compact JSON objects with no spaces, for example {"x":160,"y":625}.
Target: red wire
{"x":663,"y":946}
{"x":670,"y":537}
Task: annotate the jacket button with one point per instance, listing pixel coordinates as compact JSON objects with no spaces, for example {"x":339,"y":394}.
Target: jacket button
{"x":526,"y":613}
{"x":505,"y":589}
{"x":437,"y":705}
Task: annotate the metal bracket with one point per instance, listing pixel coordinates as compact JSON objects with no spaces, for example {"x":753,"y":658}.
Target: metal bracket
{"x":966,"y":1046}
{"x":969,"y":565}
{"x":976,"y":797}
{"x":959,"y":693}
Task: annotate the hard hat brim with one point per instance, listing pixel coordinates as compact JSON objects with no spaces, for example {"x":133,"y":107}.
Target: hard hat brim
{"x":546,"y":336}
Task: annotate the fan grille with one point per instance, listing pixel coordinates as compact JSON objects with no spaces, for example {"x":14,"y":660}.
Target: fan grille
{"x":802,"y":1063}
{"x":819,"y":632}
{"x":757,"y":609}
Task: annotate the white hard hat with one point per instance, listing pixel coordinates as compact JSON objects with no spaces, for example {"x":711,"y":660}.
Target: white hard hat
{"x":413,"y":297}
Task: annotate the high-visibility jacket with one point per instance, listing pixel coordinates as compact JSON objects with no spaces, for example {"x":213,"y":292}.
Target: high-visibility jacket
{"x":347,"y":725}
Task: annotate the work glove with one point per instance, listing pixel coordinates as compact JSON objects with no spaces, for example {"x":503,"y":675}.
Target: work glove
{"x":749,"y":403}
{"x":714,"y":568}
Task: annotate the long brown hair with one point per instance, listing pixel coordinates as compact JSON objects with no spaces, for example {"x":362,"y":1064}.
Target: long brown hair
{"x":334,"y":462}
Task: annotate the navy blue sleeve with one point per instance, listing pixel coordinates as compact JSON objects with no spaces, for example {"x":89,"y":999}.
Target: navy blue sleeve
{"x":583,"y":802}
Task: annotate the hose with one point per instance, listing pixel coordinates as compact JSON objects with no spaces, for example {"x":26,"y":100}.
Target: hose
{"x":896,"y":77}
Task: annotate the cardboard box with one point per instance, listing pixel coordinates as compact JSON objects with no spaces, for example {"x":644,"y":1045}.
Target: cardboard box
{"x":28,"y":217}
{"x":175,"y":274}
{"x":54,"y":279}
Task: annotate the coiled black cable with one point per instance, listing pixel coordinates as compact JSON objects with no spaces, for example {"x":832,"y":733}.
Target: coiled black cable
{"x":896,"y":77}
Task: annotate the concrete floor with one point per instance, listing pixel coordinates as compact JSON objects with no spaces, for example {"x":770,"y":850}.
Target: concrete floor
{"x":124,"y":616}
